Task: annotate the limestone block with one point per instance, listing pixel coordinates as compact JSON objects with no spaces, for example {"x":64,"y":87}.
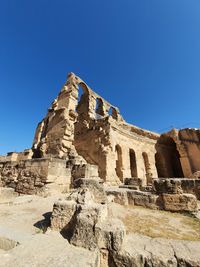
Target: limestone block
{"x":83,"y":232}
{"x":177,"y":202}
{"x":62,"y":214}
{"x":119,"y":195}
{"x":94,"y":186}
{"x":171,"y":186}
{"x":144,"y":199}
{"x":133,"y":181}
{"x":110,"y":234}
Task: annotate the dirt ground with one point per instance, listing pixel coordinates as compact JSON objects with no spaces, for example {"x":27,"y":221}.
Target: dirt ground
{"x":22,"y":222}
{"x":24,"y":219}
{"x":156,"y":223}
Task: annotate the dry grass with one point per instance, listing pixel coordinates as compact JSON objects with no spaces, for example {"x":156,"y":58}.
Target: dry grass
{"x":156,"y":223}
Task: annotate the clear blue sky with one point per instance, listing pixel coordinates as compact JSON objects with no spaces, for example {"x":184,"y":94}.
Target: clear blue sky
{"x":141,"y":55}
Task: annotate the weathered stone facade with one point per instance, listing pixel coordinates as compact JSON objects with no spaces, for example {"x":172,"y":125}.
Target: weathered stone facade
{"x":91,"y":138}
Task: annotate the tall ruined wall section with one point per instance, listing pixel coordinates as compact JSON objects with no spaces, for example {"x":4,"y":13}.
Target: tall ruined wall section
{"x":55,"y":133}
{"x":90,"y":135}
{"x":103,"y":138}
{"x":188,"y":145}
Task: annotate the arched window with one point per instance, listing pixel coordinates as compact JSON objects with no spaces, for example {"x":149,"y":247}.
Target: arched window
{"x":83,"y":99}
{"x":113,"y":112}
{"x":99,"y":108}
{"x":167,"y":158}
{"x":133,"y":164}
{"x":119,"y":163}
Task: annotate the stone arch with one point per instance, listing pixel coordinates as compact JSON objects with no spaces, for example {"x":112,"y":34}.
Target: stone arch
{"x":119,"y":163}
{"x":83,"y":99}
{"x":133,"y":163}
{"x":99,"y":107}
{"x":113,"y":112}
{"x":168,"y":158}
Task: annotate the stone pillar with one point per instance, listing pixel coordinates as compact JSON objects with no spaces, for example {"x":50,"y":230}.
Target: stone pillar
{"x":185,"y":164}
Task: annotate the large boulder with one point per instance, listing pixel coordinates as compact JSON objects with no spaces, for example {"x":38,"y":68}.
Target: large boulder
{"x":88,"y":216}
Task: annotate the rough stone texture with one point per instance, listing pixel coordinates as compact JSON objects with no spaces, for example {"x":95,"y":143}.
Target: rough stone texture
{"x":91,"y":136}
{"x":110,"y":234}
{"x":84,"y":225}
{"x":177,"y":186}
{"x":141,"y":251}
{"x":143,"y":199}
{"x":31,"y":176}
{"x":117,"y":195}
{"x":171,"y":186}
{"x":83,"y":219}
{"x":62,"y":214}
{"x":134,"y":197}
{"x":94,"y":186}
{"x":183,"y":202}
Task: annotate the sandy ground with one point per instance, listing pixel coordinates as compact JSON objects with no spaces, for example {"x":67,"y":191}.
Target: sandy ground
{"x":22,"y":220}
{"x":155,"y":223}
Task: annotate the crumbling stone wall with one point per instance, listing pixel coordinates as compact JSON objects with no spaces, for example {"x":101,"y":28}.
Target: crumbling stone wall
{"x":86,"y":130}
{"x":31,"y":176}
{"x":183,"y":146}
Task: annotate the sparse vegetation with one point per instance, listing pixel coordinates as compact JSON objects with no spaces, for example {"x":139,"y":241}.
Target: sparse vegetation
{"x":155,"y":223}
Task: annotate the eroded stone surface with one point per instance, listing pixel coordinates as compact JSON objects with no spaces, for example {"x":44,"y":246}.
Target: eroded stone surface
{"x":93,"y":139}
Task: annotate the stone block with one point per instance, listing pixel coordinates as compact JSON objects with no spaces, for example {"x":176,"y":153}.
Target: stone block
{"x":144,"y":199}
{"x":110,"y":234}
{"x":94,"y":186}
{"x":62,"y":214}
{"x":177,"y":202}
{"x":170,"y":186}
{"x":119,"y":195}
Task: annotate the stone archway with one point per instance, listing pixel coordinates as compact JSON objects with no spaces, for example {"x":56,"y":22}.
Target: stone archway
{"x":133,"y":164}
{"x":119,"y":162}
{"x":167,"y":158}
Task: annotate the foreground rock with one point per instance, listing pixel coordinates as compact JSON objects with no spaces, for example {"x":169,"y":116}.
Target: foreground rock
{"x":141,"y":251}
{"x":84,"y":221}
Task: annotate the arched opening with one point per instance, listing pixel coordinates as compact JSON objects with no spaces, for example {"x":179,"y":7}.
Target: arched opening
{"x":133,"y":164}
{"x":147,"y":167}
{"x":83,"y":99}
{"x":119,"y":163}
{"x":99,"y":108}
{"x":168,"y":158}
{"x":113,"y":112}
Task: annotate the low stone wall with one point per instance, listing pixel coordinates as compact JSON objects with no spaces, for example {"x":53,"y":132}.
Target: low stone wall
{"x":177,"y":186}
{"x":31,"y":176}
{"x":133,"y":197}
{"x":176,"y":202}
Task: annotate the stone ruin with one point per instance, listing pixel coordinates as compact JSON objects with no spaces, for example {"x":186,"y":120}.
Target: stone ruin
{"x":84,"y":136}
{"x":84,"y":148}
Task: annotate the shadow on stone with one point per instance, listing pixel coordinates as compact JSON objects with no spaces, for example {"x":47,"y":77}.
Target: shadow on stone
{"x":42,"y":225}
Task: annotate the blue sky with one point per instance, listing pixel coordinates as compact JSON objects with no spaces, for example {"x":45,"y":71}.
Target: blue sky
{"x":141,"y":55}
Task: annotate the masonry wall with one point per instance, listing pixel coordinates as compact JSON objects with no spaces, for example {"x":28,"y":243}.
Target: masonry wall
{"x":86,"y":131}
{"x":133,"y":148}
{"x":31,"y":176}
